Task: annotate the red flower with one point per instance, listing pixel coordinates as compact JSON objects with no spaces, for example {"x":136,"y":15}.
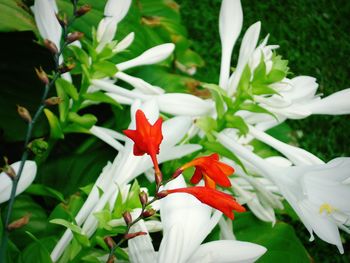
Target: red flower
{"x":216,"y":199}
{"x":210,"y":169}
{"x":146,"y":137}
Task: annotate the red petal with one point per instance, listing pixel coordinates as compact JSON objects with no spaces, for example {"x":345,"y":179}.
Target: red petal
{"x":143,"y":127}
{"x":226,"y":169}
{"x":197,"y":176}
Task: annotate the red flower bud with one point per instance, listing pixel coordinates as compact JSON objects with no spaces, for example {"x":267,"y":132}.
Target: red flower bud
{"x":127,"y":218}
{"x":143,"y":198}
{"x":42,"y":75}
{"x":8,"y":169}
{"x":19,"y":223}
{"x":24,"y":113}
{"x":109,"y":242}
{"x":51,"y":46}
{"x":132,"y":235}
{"x":53,"y":101}
{"x":63,"y":68}
{"x":83,"y":10}
{"x":162,"y":194}
{"x":74,"y":36}
{"x":148,"y":213}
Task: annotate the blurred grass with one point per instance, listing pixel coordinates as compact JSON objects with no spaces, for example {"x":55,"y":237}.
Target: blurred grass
{"x":314,"y":37}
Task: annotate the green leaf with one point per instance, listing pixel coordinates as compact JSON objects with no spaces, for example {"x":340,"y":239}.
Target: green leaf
{"x":218,"y":95}
{"x":100,"y":96}
{"x":55,"y":127}
{"x":63,"y":107}
{"x":280,"y":240}
{"x":207,"y":124}
{"x":35,"y":252}
{"x":253,"y":107}
{"x":243,"y":89}
{"x":133,"y":200}
{"x":233,"y":121}
{"x":119,"y":207}
{"x":14,"y":17}
{"x":77,"y":231}
{"x":103,"y":217}
{"x":86,"y":121}
{"x":275,"y":75}
{"x":262,"y":89}
{"x":68,"y":87}
{"x":43,"y":190}
{"x":103,"y":69}
{"x":80,"y":54}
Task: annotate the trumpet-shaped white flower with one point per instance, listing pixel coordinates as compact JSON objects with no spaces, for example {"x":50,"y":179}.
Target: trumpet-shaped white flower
{"x":317,"y":193}
{"x":117,"y":9}
{"x":124,"y":43}
{"x":186,"y":222}
{"x":151,"y":56}
{"x":230,"y":25}
{"x":46,"y":21}
{"x":27,"y":177}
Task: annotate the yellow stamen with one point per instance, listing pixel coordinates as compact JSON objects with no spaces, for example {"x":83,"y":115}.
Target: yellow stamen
{"x":326,"y":207}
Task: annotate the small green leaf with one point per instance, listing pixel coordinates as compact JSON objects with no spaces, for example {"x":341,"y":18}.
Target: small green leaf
{"x":262,"y":89}
{"x":103,"y":217}
{"x":68,"y":87}
{"x":244,"y":84}
{"x":86,"y":121}
{"x":63,"y":107}
{"x":133,"y":200}
{"x":75,"y":128}
{"x":80,"y":54}
{"x":87,"y":188}
{"x":99,"y":96}
{"x":104,"y":69}
{"x":275,"y":75}
{"x":43,"y":190}
{"x":55,"y":127}
{"x":233,"y":121}
{"x":35,"y":252}
{"x":207,"y":124}
{"x":217,"y":94}
{"x":253,"y":107}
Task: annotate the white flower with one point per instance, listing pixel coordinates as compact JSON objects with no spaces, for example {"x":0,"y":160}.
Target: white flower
{"x":318,"y":193}
{"x":46,"y":21}
{"x":27,"y":177}
{"x":151,"y":56}
{"x":117,"y":9}
{"x":230,"y":25}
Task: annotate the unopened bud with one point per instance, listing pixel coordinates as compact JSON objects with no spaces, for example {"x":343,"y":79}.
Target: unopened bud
{"x":53,"y":101}
{"x":158,"y":177}
{"x":51,"y":46}
{"x":132,"y":235}
{"x":109,"y":242}
{"x":19,"y":223}
{"x":62,"y":19}
{"x":8,"y":169}
{"x":177,"y":173}
{"x":162,"y":194}
{"x":63,"y":68}
{"x":143,"y":198}
{"x":83,"y":10}
{"x":42,"y":75}
{"x":148,"y":213}
{"x":24,"y":113}
{"x":127,"y":218}
{"x":74,"y":36}
{"x":38,"y":146}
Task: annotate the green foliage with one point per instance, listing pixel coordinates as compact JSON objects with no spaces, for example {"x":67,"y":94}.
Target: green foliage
{"x":280,"y":240}
{"x":43,"y":190}
{"x":36,"y":251}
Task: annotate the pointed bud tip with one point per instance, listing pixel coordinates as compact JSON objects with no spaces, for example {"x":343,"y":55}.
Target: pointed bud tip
{"x":133,"y":235}
{"x":51,"y":46}
{"x":109,"y":242}
{"x":162,"y":194}
{"x":24,"y":113}
{"x":74,"y":36}
{"x":143,"y":198}
{"x":42,"y":75}
{"x":83,"y":10}
{"x":127,"y":218}
{"x":53,"y":101}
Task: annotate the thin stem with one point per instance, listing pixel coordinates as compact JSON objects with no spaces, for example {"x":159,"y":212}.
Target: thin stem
{"x":25,"y":155}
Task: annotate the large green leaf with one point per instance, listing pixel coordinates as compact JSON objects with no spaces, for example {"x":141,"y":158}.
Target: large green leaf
{"x":14,"y":16}
{"x":36,"y":251}
{"x":280,"y":240}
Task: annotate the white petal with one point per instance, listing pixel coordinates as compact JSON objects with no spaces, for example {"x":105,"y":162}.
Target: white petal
{"x":248,"y":45}
{"x":227,"y":251}
{"x":183,"y":104}
{"x":27,"y":177}
{"x":100,"y":133}
{"x":140,"y":248}
{"x":125,"y":42}
{"x":106,"y":31}
{"x":304,"y":88}
{"x":175,"y":129}
{"x":139,"y":84}
{"x":171,"y":247}
{"x":151,"y":56}
{"x":336,"y":104}
{"x":230,"y":25}
{"x":117,"y":9}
